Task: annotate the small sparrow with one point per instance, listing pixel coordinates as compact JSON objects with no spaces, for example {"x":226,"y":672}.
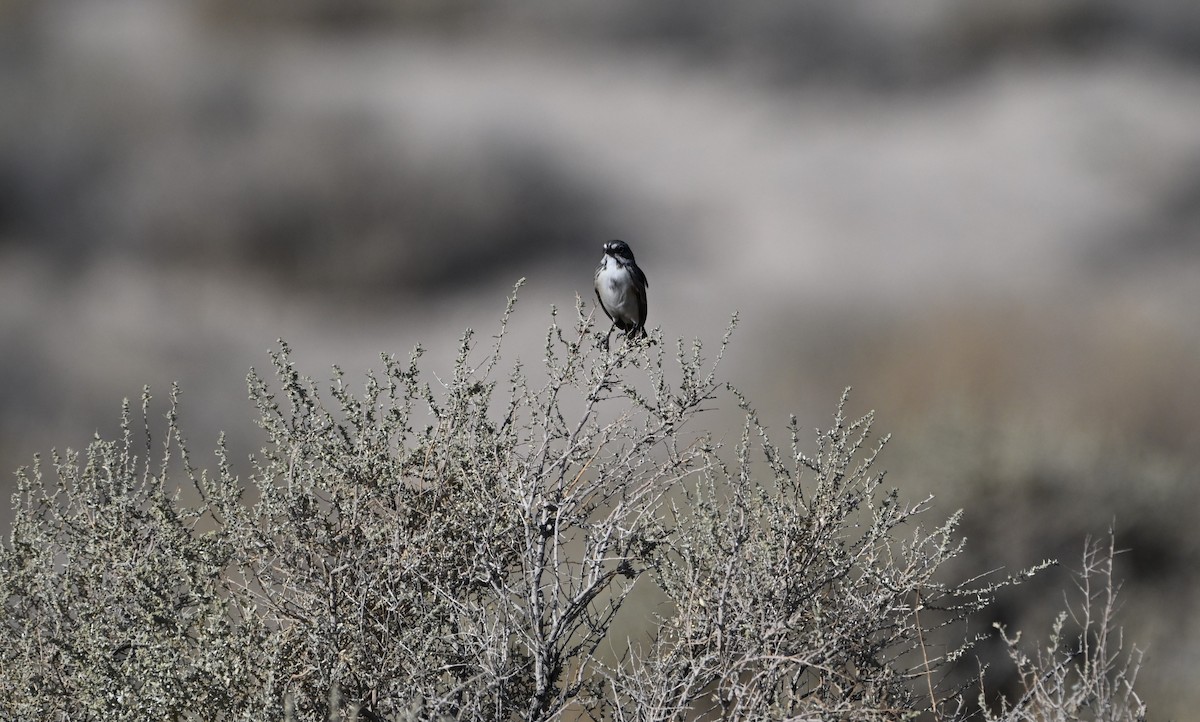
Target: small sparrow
{"x":621,"y":289}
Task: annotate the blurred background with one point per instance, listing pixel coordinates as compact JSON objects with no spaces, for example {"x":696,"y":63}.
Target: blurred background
{"x":983,"y":216}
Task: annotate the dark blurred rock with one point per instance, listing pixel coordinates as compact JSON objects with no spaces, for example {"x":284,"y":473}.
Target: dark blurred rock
{"x":345,"y":16}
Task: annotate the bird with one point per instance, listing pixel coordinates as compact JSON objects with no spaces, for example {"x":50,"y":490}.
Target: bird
{"x":621,"y":290}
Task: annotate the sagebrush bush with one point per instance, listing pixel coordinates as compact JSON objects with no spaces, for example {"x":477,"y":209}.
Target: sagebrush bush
{"x":462,"y":547}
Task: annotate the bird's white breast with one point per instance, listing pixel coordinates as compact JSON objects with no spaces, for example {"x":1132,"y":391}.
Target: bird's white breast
{"x":616,"y":289}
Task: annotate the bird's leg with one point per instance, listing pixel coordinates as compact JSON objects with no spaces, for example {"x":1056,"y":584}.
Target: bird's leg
{"x":608,"y":336}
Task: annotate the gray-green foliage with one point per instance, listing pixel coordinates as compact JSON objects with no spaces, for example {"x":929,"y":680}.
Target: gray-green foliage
{"x":462,"y":549}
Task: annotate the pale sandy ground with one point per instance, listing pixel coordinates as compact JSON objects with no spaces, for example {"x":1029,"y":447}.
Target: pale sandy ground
{"x":988,"y":252}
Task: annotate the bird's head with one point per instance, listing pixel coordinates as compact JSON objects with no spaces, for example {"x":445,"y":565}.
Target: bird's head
{"x":618,"y":249}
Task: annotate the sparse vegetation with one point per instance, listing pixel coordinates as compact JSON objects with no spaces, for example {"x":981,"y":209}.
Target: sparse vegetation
{"x":464,"y":548}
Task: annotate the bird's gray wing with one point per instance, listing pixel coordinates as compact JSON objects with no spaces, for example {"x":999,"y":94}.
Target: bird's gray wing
{"x":640,"y":277}
{"x":641,"y":284}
